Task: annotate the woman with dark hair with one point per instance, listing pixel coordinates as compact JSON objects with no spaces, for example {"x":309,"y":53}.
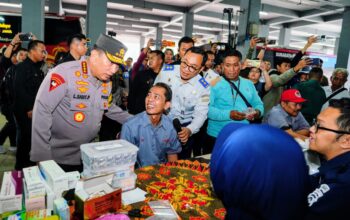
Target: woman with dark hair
{"x":260,"y":178}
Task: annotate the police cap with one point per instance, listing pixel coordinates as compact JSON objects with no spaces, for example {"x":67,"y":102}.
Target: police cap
{"x":114,"y":49}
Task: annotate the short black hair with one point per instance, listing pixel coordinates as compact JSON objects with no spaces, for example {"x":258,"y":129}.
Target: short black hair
{"x":75,"y":36}
{"x":232,"y":53}
{"x":198,"y":50}
{"x":281,"y":60}
{"x":168,"y":92}
{"x":316,"y":73}
{"x":185,"y":39}
{"x":343,"y":105}
{"x":32,"y":44}
{"x":209,"y":52}
{"x":159,"y":53}
{"x":168,"y":49}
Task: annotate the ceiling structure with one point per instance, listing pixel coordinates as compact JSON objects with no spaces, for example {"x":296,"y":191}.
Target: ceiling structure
{"x":142,"y":17}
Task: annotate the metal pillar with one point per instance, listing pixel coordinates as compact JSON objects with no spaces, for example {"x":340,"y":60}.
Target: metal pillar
{"x":33,"y":14}
{"x":96,"y":18}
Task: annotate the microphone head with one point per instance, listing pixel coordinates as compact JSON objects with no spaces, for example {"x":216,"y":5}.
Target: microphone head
{"x":177,"y":124}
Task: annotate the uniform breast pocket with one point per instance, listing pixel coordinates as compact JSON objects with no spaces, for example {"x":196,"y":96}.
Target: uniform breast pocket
{"x":190,"y":103}
{"x":80,"y":111}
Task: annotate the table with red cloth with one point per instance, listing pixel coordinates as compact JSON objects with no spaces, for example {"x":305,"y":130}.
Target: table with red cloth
{"x":185,"y":183}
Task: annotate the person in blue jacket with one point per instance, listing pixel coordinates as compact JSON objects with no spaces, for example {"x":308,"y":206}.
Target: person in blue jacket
{"x":330,"y":136}
{"x":259,"y":172}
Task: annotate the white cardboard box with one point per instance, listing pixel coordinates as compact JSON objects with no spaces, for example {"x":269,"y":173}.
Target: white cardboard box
{"x":35,"y":187}
{"x":55,"y":177}
{"x":11,"y":192}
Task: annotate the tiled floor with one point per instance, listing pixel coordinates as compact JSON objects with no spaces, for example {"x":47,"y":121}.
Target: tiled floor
{"x":7,"y":160}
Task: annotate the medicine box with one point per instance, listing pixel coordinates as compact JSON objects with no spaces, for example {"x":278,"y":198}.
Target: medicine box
{"x":55,"y":177}
{"x":95,"y":197}
{"x":104,"y":157}
{"x":33,"y":182}
{"x":11,"y":192}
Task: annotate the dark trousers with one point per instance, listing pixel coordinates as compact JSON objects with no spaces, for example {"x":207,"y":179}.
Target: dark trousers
{"x":109,"y":129}
{"x":209,"y":144}
{"x":187,"y":149}
{"x":200,"y":140}
{"x":70,"y":168}
{"x":24,"y":125}
{"x":9,"y":129}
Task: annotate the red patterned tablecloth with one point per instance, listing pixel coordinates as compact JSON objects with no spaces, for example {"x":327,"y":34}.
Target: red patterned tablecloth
{"x":186,"y":184}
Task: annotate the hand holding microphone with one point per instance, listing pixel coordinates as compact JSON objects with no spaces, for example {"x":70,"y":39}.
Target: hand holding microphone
{"x":182,"y":132}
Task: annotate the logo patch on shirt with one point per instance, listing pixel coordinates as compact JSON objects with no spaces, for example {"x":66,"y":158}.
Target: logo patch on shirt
{"x":82,"y":83}
{"x":168,"y":67}
{"x":77,"y":73}
{"x":317,"y":194}
{"x":56,"y":81}
{"x":203,"y":82}
{"x":104,"y":91}
{"x":79,"y":117}
{"x":81,"y":105}
{"x":83,"y":89}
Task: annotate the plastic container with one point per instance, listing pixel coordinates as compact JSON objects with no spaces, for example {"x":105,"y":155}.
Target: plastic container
{"x":125,"y":183}
{"x":108,"y":156}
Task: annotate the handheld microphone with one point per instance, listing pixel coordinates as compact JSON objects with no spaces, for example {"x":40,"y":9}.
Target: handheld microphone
{"x":177,"y":125}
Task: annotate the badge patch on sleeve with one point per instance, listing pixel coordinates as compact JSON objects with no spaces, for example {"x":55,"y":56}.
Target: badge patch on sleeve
{"x":79,"y":117}
{"x":56,"y":81}
{"x":203,"y":82}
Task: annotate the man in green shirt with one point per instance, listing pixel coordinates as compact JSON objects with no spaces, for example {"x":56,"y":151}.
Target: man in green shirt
{"x":313,"y":92}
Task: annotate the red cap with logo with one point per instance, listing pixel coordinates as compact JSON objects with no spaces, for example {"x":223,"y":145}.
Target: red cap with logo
{"x":292,"y":95}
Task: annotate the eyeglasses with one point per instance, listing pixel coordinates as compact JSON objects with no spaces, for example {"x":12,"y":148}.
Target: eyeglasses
{"x":192,"y":69}
{"x":318,"y":127}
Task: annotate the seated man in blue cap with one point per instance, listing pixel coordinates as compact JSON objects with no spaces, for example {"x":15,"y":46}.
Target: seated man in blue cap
{"x":71,"y":102}
{"x":153,"y":131}
{"x":287,"y":115}
{"x":330,"y":136}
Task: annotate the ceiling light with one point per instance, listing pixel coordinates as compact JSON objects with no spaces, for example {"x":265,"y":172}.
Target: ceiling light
{"x":263,"y":13}
{"x":12,"y":5}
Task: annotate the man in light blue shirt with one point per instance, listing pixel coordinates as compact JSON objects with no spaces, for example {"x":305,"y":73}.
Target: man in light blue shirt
{"x":152,"y":131}
{"x":287,"y":115}
{"x":191,"y":95}
{"x":226,"y":104}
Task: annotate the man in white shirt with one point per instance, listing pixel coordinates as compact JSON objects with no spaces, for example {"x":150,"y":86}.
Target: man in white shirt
{"x":337,"y":90}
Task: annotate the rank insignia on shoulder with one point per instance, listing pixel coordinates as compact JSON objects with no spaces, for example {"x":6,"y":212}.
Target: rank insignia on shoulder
{"x":84,"y":67}
{"x":203,"y":82}
{"x":168,"y":67}
{"x":56,"y":81}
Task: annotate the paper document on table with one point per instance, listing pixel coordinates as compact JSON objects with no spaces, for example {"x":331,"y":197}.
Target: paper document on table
{"x":133,"y":196}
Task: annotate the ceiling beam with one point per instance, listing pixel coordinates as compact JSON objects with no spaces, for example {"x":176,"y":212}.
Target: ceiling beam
{"x":310,"y":17}
{"x":278,"y":10}
{"x":126,"y":32}
{"x":122,"y":28}
{"x":317,"y":32}
{"x":149,"y":5}
{"x":127,"y":14}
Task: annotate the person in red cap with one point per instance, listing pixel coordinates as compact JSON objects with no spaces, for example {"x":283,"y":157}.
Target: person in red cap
{"x":287,"y":115}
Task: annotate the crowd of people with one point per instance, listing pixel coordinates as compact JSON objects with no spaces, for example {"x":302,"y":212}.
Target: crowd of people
{"x":241,"y":110}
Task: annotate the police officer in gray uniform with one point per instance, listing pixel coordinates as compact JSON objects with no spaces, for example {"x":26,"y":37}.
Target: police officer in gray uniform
{"x":71,"y":102}
{"x":191,"y":95}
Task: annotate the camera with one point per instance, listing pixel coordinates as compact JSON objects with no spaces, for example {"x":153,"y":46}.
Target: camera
{"x":26,"y":37}
{"x":316,"y":62}
{"x":321,"y":38}
{"x":253,"y":63}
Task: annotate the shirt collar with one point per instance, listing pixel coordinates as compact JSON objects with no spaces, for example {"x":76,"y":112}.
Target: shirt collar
{"x":147,"y":122}
{"x":341,"y":161}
